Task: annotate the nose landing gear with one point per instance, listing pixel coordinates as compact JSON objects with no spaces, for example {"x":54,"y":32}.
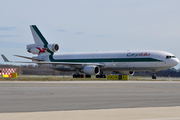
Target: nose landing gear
{"x":154,"y":76}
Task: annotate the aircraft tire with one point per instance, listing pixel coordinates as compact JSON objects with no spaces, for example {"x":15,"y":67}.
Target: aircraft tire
{"x":81,"y":76}
{"x":153,"y":77}
{"x":74,"y":76}
{"x":87,"y":76}
{"x":100,"y":76}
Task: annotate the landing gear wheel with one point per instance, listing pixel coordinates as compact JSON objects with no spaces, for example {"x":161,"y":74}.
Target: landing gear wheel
{"x":81,"y":76}
{"x":78,"y":76}
{"x":87,"y":76}
{"x":74,"y":76}
{"x":104,"y":76}
{"x":153,"y":77}
{"x":100,"y":76}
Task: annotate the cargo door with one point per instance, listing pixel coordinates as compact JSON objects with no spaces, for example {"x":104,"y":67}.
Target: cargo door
{"x":158,"y":64}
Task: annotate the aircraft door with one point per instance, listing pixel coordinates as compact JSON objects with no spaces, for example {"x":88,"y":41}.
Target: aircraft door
{"x":161,"y":63}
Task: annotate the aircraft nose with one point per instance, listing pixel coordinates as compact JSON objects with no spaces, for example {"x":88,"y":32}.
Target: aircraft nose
{"x":176,"y":61}
{"x":172,"y":62}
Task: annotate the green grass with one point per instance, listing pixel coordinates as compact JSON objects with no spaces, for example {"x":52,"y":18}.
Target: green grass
{"x":61,"y":78}
{"x":50,"y":78}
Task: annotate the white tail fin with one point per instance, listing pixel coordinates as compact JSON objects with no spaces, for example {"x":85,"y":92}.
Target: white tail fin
{"x":41,"y":45}
{"x":38,"y":37}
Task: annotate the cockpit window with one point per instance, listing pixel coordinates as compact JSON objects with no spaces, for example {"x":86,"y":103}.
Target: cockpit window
{"x":168,"y":57}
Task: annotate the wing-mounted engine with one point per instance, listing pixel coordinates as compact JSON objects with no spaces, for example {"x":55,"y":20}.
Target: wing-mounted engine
{"x":37,"y":49}
{"x":91,"y":70}
{"x":126,"y":72}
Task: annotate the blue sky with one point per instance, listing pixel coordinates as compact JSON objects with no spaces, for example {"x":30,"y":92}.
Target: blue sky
{"x":91,"y":25}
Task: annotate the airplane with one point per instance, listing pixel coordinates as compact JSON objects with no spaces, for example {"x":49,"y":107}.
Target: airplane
{"x":96,"y":63}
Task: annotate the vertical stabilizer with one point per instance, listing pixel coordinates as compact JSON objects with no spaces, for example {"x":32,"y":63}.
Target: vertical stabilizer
{"x":41,"y":45}
{"x":38,"y":37}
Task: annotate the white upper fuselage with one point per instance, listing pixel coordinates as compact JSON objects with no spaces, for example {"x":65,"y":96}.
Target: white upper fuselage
{"x":142,"y":60}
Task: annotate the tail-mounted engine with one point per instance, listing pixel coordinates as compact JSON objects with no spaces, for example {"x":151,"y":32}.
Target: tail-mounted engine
{"x":53,"y":47}
{"x":37,"y":49}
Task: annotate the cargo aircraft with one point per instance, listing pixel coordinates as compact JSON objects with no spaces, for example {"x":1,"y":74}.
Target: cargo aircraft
{"x":95,"y":63}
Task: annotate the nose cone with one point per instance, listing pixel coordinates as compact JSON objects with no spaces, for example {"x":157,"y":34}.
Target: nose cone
{"x":175,"y":61}
{"x":171,"y":62}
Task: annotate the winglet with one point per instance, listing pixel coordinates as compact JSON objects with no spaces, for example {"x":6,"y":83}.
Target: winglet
{"x":5,"y":59}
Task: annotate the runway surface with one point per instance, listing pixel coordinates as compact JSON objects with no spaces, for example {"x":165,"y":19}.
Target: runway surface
{"x":68,"y":96}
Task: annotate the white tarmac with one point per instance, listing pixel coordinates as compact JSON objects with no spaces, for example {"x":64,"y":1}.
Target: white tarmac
{"x":153,"y":113}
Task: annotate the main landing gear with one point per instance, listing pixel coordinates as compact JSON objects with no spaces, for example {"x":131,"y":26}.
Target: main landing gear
{"x":100,"y":76}
{"x":78,"y":76}
{"x":81,"y":76}
{"x":87,"y":76}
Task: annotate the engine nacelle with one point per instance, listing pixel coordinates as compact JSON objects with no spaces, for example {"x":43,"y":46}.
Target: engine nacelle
{"x":91,"y":70}
{"x":126,"y":72}
{"x":53,"y":47}
{"x":37,"y":49}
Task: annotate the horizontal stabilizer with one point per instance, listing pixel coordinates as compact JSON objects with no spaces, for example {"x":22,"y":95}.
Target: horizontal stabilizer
{"x":28,"y":58}
{"x":5,"y":59}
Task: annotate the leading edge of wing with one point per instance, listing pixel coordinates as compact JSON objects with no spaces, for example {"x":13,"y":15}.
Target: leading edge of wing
{"x":37,"y":61}
{"x":69,"y":63}
{"x":60,"y":63}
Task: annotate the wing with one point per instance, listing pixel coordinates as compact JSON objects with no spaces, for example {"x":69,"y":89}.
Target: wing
{"x":38,"y":61}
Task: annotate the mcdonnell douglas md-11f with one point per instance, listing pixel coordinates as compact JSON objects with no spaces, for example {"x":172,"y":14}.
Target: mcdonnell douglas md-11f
{"x":95,"y":63}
